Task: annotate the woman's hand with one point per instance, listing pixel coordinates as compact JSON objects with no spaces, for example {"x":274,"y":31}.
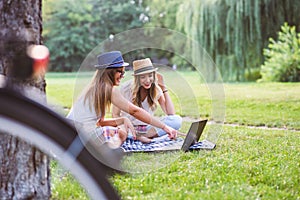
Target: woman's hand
{"x":160,"y":81}
{"x":170,"y":131}
{"x":129,"y":127}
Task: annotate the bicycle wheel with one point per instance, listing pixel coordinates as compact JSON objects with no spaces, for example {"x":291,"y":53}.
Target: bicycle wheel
{"x":52,"y":133}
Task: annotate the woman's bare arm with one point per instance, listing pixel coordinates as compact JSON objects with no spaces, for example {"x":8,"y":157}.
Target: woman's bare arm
{"x":123,"y":104}
{"x":139,"y":113}
{"x":117,"y":122}
{"x":116,"y":112}
{"x":110,"y":122}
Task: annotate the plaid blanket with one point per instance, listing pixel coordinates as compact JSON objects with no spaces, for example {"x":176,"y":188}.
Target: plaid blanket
{"x":205,"y":144}
{"x":131,"y":145}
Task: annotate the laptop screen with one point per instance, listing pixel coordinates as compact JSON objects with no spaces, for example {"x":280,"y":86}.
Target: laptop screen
{"x":193,"y":134}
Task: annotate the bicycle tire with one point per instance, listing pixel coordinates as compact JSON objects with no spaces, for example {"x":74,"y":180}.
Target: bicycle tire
{"x":45,"y":124}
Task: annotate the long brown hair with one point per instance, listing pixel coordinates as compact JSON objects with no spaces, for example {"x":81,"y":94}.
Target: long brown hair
{"x":99,"y":91}
{"x":151,"y":93}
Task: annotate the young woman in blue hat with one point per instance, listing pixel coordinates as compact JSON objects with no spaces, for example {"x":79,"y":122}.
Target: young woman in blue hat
{"x":147,"y":90}
{"x":96,"y":100}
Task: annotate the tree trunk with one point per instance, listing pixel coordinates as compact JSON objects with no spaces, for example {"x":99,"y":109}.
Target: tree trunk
{"x":24,"y":170}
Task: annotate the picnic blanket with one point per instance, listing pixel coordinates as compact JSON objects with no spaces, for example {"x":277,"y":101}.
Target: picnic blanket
{"x":131,"y":145}
{"x":204,"y":144}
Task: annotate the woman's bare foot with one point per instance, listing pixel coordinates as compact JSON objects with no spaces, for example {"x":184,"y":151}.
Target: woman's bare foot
{"x":151,"y":133}
{"x":143,"y":139}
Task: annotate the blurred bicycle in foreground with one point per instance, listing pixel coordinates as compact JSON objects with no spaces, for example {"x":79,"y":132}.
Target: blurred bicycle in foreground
{"x":23,"y":113}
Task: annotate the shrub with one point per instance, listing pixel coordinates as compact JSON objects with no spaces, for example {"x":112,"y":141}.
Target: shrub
{"x":253,"y":74}
{"x":282,"y":57}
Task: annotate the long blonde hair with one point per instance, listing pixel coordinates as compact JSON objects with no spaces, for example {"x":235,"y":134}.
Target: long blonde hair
{"x":151,"y":93}
{"x":99,"y":91}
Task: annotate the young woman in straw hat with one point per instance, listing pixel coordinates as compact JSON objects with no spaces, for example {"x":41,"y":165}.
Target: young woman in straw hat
{"x":147,"y":90}
{"x":92,"y":105}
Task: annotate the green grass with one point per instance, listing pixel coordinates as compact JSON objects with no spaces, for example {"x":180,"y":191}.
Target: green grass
{"x":64,"y":185}
{"x":268,"y":104}
{"x":257,"y":104}
{"x":248,"y":163}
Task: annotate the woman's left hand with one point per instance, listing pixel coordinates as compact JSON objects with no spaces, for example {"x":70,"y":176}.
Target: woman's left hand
{"x":160,"y":81}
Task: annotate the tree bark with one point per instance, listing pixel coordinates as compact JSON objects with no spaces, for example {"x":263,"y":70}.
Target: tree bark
{"x":24,"y":170}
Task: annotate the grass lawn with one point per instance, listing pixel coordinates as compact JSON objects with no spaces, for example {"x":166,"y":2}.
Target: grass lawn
{"x":248,"y":163}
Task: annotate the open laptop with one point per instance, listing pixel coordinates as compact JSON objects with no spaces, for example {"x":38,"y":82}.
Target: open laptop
{"x":192,"y":137}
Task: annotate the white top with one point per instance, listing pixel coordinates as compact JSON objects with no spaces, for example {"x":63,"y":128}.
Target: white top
{"x":81,"y":112}
{"x":126,"y":91}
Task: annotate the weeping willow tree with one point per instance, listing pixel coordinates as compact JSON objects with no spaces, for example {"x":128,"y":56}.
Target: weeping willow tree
{"x":234,"y":32}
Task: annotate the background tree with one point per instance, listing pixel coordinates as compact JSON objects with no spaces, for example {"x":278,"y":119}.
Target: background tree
{"x":74,"y":28}
{"x":234,"y":32}
{"x":162,"y":13}
{"x":24,"y":169}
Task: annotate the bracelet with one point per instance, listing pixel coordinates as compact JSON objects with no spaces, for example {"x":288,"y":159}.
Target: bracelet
{"x":165,"y":91}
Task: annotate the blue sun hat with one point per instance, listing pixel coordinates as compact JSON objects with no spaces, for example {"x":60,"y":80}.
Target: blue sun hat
{"x":111,"y":59}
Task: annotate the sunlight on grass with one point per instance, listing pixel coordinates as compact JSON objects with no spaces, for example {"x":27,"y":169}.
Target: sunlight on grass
{"x":148,"y":162}
{"x":258,"y":104}
{"x":64,"y":185}
{"x":248,"y":163}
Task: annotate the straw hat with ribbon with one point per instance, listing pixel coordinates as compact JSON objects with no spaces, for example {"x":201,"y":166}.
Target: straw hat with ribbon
{"x":143,"y":66}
